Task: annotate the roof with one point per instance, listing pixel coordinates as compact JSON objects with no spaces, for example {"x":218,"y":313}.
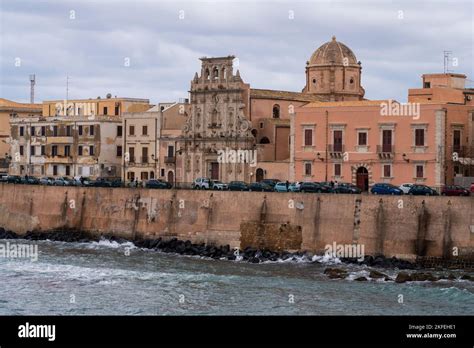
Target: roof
{"x":284,"y":95}
{"x":6,"y":104}
{"x":347,"y":103}
{"x":333,"y":52}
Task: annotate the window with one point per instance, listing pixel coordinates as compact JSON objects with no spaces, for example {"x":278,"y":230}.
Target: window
{"x":21,"y":150}
{"x":33,"y":150}
{"x":119,"y":131}
{"x":43,"y":150}
{"x":67,"y":150}
{"x":308,"y":137}
{"x":337,"y":169}
{"x":79,"y":150}
{"x":105,"y":110}
{"x":68,"y":170}
{"x":131,"y":150}
{"x":337,"y":140}
{"x":54,"y":150}
{"x":276,"y":111}
{"x":427,"y":85}
{"x":68,"y":131}
{"x":117,"y":110}
{"x":170,"y":151}
{"x":261,"y":125}
{"x":362,"y":139}
{"x":419,"y":171}
{"x":307,"y":168}
{"x":131,"y":130}
{"x":456,"y":140}
{"x":80,"y":130}
{"x":264,"y":140}
{"x":55,"y":170}
{"x":43,"y":131}
{"x":55,"y":131}
{"x":387,"y":140}
{"x":91,"y":150}
{"x":22,"y":131}
{"x":91,"y":130}
{"x":119,"y":151}
{"x":144,"y":175}
{"x":314,"y":81}
{"x":144,"y":154}
{"x":387,"y":171}
{"x":32,"y":131}
{"x":152,"y":175}
{"x":145,"y":130}
{"x":419,"y":137}
{"x":79,"y":170}
{"x":162,"y":172}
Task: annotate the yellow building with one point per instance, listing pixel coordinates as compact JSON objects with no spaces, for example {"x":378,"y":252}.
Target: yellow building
{"x":9,"y":109}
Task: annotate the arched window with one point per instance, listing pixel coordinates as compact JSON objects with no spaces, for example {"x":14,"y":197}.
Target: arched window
{"x":276,"y":111}
{"x":215,"y":73}
{"x":351,"y":80}
{"x":264,"y":140}
{"x":206,"y":74}
{"x":254,"y":132}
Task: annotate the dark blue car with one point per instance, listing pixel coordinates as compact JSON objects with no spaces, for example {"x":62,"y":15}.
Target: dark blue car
{"x":385,"y":189}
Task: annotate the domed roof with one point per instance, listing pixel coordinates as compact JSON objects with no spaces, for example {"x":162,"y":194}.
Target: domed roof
{"x":333,"y":52}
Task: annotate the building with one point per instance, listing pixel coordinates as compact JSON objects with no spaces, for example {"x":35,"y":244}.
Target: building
{"x":74,"y":138}
{"x":9,"y":109}
{"x":427,"y":140}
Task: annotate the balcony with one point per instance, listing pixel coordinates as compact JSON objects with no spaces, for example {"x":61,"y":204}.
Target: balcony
{"x":335,"y":150}
{"x":170,"y":159}
{"x":386,"y":151}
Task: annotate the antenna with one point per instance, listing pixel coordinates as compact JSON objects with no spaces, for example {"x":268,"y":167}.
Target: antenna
{"x":32,"y":88}
{"x":447,"y":59}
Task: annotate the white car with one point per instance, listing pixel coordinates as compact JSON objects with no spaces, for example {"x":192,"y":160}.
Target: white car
{"x":201,"y":184}
{"x":405,"y":187}
{"x":218,"y":185}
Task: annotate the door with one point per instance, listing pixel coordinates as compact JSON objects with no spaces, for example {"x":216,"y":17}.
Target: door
{"x":362,"y":178}
{"x":215,"y":171}
{"x":171,"y":177}
{"x":337,"y":140}
{"x":387,"y":141}
{"x":259,"y":175}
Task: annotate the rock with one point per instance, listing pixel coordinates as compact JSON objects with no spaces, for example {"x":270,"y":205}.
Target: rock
{"x":388,"y":279}
{"x":467,"y":277}
{"x":361,"y":279}
{"x":335,"y":273}
{"x":451,"y":276}
{"x":403,"y":277}
{"x":375,"y":274}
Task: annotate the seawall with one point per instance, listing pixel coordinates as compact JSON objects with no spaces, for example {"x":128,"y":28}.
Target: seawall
{"x":400,"y":226}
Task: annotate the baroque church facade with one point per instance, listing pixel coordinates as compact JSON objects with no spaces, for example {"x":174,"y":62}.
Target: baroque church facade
{"x":226,"y":114}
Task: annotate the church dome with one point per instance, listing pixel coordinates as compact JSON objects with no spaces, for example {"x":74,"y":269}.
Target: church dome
{"x":333,"y":52}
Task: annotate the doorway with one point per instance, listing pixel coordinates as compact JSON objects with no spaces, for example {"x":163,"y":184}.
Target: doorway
{"x":259,"y":175}
{"x":362,"y":178}
{"x":171,"y":177}
{"x":215,"y":170}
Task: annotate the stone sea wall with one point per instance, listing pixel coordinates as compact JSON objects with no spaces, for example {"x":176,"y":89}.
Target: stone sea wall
{"x":400,"y":226}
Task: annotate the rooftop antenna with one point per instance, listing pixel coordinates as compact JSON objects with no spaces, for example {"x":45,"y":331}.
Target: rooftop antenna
{"x":32,"y":88}
{"x":447,"y":59}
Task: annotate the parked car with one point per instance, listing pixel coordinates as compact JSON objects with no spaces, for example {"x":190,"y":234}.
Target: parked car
{"x":201,"y":184}
{"x":454,"y":190}
{"x":405,"y":187}
{"x":14,"y":179}
{"x":325,"y":187}
{"x":158,"y":184}
{"x":116,"y":183}
{"x":310,"y":187}
{"x":385,"y":189}
{"x":86,"y":181}
{"x":347,"y":188}
{"x":422,"y":190}
{"x":46,"y":180}
{"x":294,"y":187}
{"x":60,"y":182}
{"x":238,"y":186}
{"x":260,"y":186}
{"x":31,"y":180}
{"x":218,"y":185}
{"x":102,"y":182}
{"x":270,"y":182}
{"x":281,"y":187}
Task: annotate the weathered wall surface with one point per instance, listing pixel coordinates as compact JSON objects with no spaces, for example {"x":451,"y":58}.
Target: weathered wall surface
{"x":395,"y":226}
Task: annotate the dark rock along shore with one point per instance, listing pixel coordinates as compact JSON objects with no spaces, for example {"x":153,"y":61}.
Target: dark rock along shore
{"x":251,"y":255}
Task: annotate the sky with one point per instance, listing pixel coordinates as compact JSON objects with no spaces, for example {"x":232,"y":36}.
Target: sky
{"x":151,"y":49}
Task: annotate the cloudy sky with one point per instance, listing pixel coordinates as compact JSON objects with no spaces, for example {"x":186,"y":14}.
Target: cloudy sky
{"x":150,"y":49}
